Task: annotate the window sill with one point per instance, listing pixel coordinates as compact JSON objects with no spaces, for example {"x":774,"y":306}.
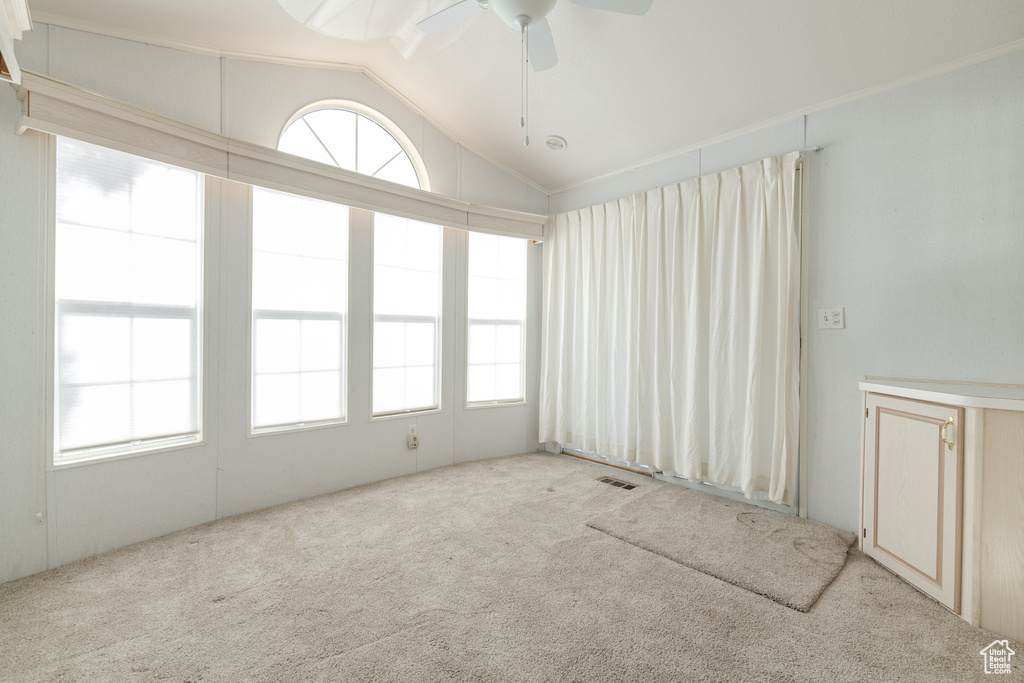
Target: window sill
{"x":82,"y":460}
{"x":410,"y":413}
{"x":255,"y":432}
{"x":495,"y":404}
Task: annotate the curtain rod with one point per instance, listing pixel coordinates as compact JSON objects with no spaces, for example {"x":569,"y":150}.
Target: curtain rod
{"x":805,"y":154}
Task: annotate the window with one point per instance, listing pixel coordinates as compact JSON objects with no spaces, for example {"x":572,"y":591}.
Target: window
{"x":299,"y":310}
{"x":353,"y":141}
{"x":128,"y":285}
{"x":497,"y":312}
{"x":406,"y":253}
{"x":406,"y":315}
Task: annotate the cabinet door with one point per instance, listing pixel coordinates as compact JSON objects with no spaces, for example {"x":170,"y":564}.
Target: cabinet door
{"x":912,"y":504}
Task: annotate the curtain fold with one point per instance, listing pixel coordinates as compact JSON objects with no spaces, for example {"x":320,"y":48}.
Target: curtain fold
{"x":671,"y":329}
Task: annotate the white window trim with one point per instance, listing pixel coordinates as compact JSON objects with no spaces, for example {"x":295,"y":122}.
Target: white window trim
{"x":250,"y":331}
{"x":497,"y":403}
{"x":256,"y":314}
{"x":384,"y":122}
{"x":439,"y":336}
{"x":438,"y":359}
{"x":100,"y":454}
{"x":478,"y":405}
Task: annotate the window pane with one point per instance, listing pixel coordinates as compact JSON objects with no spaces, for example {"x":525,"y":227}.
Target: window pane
{"x":507,"y":382}
{"x":298,"y":139}
{"x":321,"y":396}
{"x":496,"y":284}
{"x":401,"y":171}
{"x":96,"y":415}
{"x":276,"y":399}
{"x":388,"y":390}
{"x":376,"y":147}
{"x":483,"y":297}
{"x":153,"y":408}
{"x":419,"y":387}
{"x":300,"y":301}
{"x":481,"y":344}
{"x":419,"y":344}
{"x":389,"y":345}
{"x":406,"y":306}
{"x":165,"y":203}
{"x":507,"y":344}
{"x":351,"y":141}
{"x":83,"y":361}
{"x":163,"y":271}
{"x":336,"y":129}
{"x":161,"y":349}
{"x":93,"y":264}
{"x":481,"y":383}
{"x":321,"y":345}
{"x":127,"y":299}
{"x":277,"y":345}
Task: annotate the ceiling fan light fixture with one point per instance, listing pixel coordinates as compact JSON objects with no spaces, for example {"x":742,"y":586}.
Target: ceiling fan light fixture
{"x":511,"y":11}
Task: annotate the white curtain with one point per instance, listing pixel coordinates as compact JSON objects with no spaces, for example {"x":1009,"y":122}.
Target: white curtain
{"x":671,"y":329}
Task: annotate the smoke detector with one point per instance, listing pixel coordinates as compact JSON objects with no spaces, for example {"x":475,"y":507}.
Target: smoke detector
{"x":555,"y":143}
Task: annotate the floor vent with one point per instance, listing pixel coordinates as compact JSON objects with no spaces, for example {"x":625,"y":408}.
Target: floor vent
{"x":617,"y":482}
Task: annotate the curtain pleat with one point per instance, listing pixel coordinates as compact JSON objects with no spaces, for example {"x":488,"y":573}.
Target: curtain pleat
{"x":671,"y":329}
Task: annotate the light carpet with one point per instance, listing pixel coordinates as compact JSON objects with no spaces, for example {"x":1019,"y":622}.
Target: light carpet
{"x":484,"y":571}
{"x":785,"y":558}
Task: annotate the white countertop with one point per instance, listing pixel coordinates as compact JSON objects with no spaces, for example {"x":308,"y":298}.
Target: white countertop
{"x":969,"y":395}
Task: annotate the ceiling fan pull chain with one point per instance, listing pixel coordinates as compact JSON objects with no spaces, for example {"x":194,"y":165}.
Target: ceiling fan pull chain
{"x":524,"y":81}
{"x":525,"y":120}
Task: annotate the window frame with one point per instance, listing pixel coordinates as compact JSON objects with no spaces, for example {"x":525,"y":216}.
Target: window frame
{"x":411,"y":152}
{"x":202,"y":344}
{"x":299,"y":316}
{"x":438,"y":329}
{"x":384,"y":122}
{"x":524,"y":326}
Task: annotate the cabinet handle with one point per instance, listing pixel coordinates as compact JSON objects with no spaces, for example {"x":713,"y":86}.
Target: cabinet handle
{"x":949,"y":444}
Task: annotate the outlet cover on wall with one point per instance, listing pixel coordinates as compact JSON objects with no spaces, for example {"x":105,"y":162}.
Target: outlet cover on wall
{"x":831,"y":318}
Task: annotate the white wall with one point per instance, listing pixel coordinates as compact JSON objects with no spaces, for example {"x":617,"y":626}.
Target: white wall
{"x":99,"y":506}
{"x":916,"y":214}
{"x":916,"y":228}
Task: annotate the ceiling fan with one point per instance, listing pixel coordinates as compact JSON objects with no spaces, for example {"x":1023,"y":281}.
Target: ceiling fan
{"x":525,"y":15}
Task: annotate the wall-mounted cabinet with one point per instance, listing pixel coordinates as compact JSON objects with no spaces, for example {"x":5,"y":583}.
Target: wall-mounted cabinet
{"x":942,"y":494}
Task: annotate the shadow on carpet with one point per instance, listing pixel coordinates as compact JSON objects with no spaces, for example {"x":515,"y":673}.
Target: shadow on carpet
{"x":785,"y":558}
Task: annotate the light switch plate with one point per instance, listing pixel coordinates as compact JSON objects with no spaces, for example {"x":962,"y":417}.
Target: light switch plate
{"x":831,"y":318}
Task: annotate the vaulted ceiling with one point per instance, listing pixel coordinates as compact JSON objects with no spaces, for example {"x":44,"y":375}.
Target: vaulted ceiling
{"x":626,"y":89}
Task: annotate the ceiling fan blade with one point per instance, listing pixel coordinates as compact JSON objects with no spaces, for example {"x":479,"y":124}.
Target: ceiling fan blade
{"x":637,"y":7}
{"x":542,"y":46}
{"x":450,"y":17}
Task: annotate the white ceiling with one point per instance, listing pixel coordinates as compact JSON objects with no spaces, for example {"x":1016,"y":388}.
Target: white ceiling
{"x":626,"y":89}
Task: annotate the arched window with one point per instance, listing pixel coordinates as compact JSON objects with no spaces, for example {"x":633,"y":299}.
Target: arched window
{"x":355,"y":138}
{"x":300,"y":275}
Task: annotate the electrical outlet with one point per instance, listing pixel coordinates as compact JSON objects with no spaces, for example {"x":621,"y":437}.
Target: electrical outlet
{"x":831,"y":318}
{"x":413,"y":440}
